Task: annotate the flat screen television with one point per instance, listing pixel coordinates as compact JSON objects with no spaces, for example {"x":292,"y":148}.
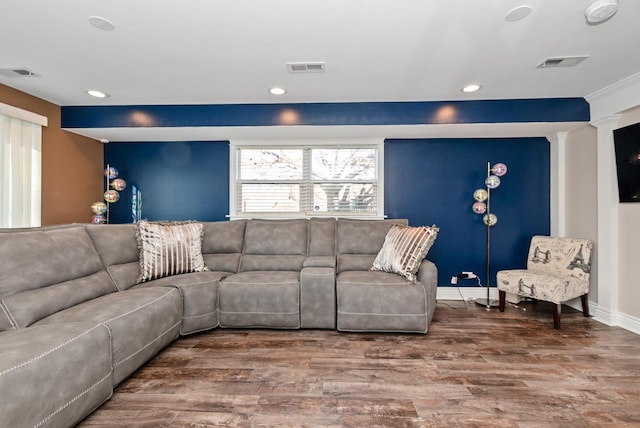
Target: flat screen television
{"x":627,"y":147}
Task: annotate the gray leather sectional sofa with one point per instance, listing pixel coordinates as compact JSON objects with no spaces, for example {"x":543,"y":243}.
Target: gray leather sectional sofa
{"x":74,"y":323}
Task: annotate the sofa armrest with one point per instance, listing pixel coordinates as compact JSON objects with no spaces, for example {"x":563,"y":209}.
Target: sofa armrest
{"x":54,"y":375}
{"x":320,"y":261}
{"x":318,"y":297}
{"x":428,"y":276}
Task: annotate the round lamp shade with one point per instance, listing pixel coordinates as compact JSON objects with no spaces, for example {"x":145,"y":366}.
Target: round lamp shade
{"x":479,"y":208}
{"x":480,"y":195}
{"x":111,"y":196}
{"x":111,"y":173}
{"x":490,"y":219}
{"x":119,"y":184}
{"x":98,"y":219}
{"x":99,"y":208}
{"x":492,"y":181}
{"x":499,"y":169}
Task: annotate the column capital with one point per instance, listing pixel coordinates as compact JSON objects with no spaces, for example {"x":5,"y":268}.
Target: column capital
{"x":557,"y":137}
{"x":609,"y":122}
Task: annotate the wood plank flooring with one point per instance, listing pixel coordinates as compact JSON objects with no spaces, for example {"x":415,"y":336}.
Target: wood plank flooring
{"x":475,"y":368}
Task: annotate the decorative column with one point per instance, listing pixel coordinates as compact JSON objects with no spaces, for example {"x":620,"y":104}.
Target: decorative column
{"x":607,"y":246}
{"x":558,"y":148}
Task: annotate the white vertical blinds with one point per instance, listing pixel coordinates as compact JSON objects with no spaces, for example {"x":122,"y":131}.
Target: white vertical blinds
{"x":20,"y":172}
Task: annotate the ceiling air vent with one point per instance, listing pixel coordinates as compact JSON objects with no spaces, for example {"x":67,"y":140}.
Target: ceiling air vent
{"x":16,"y":72}
{"x":566,"y":61}
{"x":306,"y":67}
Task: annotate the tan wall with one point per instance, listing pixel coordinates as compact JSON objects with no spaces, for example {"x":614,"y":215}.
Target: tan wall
{"x":628,"y":243}
{"x":581,"y":182}
{"x":71,"y":164}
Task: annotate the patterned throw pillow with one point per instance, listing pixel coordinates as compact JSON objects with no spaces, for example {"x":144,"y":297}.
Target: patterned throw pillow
{"x":404,"y":249}
{"x":169,"y":249}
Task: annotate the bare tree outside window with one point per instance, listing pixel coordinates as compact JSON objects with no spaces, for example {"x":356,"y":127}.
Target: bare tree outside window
{"x":347,"y":179}
{"x":307,"y":180}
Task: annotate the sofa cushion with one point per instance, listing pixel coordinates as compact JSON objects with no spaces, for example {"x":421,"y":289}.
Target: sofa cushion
{"x":276,"y":237}
{"x":222,"y":244}
{"x":199,"y":295}
{"x":118,"y":248}
{"x":53,"y":375}
{"x":260,"y":299}
{"x":361,"y":238}
{"x":169,"y":249}
{"x":404,"y":249}
{"x":223,"y":237}
{"x":274,"y":245}
{"x":30,"y":306}
{"x":142,"y":321}
{"x":380,"y":301}
{"x":322,"y":237}
{"x":48,"y":270}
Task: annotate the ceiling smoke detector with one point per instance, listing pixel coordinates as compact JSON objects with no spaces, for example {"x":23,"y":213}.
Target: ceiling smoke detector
{"x":566,"y":61}
{"x":601,"y":10}
{"x":306,"y":67}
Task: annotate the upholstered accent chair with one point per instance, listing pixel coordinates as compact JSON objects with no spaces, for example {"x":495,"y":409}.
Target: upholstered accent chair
{"x":557,"y":271}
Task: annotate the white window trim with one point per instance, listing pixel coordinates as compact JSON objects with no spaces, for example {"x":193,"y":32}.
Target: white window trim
{"x":328,"y":143}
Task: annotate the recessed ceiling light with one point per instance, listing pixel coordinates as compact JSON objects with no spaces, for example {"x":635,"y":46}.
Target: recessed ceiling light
{"x":97,"y":94}
{"x":101,"y":23}
{"x":471,"y":88}
{"x":518,"y":13}
{"x":277,"y":91}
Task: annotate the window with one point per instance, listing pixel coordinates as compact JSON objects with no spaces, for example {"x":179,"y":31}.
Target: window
{"x":306,"y":180}
{"x":20,"y":167}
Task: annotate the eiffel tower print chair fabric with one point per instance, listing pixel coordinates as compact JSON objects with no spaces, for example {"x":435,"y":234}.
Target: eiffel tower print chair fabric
{"x":558,"y":270}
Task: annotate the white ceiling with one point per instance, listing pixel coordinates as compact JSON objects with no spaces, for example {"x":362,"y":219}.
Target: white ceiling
{"x":233,"y":51}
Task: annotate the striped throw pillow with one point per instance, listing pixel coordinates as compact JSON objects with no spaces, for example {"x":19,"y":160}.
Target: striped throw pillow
{"x":404,"y":249}
{"x":169,"y":249}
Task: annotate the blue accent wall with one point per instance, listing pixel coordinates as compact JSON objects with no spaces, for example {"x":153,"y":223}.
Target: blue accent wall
{"x":178,"y":180}
{"x":329,"y":114}
{"x":432,"y":181}
{"x":428,"y":181}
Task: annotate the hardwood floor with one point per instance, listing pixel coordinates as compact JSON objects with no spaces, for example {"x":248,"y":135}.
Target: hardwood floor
{"x":475,"y":368}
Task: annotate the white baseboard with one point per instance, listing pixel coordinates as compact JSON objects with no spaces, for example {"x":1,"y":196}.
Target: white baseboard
{"x":629,"y":323}
{"x":465,"y":293}
{"x":619,"y":319}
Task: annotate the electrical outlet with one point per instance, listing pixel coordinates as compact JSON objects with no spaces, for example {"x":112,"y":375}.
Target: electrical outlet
{"x":454,"y":280}
{"x":467,"y":275}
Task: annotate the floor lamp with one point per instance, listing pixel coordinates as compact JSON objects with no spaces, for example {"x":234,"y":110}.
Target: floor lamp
{"x":482,"y":205}
{"x":112,"y":184}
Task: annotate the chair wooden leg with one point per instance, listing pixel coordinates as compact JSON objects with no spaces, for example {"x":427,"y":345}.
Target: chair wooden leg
{"x":502,"y":297}
{"x":585,"y":304}
{"x":556,"y":316}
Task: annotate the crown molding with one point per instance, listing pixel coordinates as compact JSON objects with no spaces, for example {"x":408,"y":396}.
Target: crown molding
{"x":615,"y":98}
